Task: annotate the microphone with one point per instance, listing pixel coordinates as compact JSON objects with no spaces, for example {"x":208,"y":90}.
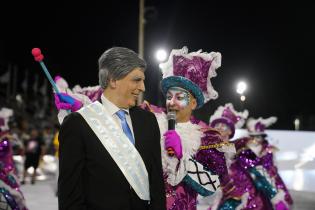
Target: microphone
{"x":171,"y":119}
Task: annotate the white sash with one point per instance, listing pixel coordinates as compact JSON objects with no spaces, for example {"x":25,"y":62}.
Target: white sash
{"x":118,"y":146}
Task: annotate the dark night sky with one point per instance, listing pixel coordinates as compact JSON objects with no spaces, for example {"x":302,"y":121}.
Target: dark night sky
{"x":270,"y":47}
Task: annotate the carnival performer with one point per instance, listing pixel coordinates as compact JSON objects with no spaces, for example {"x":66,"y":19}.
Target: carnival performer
{"x":192,"y":165}
{"x":226,"y":119}
{"x":254,"y":172}
{"x":11,"y":196}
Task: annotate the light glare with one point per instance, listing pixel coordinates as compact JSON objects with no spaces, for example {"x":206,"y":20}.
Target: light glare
{"x":241,"y":87}
{"x":161,"y":55}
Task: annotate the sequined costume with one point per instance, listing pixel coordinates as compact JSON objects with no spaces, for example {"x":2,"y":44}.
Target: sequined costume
{"x":195,"y":134}
{"x":254,"y":182}
{"x":256,"y":177}
{"x":199,"y":167}
{"x":11,"y":195}
{"x":226,"y":119}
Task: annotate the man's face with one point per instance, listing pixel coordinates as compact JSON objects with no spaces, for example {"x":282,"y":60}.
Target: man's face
{"x":129,"y":88}
{"x":224,"y":130}
{"x":180,"y":101}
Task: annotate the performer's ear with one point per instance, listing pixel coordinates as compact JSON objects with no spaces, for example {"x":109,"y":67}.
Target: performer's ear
{"x":193,"y":103}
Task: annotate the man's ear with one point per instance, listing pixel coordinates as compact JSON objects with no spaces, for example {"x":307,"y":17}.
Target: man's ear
{"x":112,"y":83}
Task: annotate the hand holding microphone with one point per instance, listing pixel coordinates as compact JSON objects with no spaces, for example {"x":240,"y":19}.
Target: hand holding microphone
{"x":172,"y":142}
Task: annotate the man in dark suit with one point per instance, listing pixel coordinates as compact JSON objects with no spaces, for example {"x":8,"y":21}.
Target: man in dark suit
{"x":110,"y":155}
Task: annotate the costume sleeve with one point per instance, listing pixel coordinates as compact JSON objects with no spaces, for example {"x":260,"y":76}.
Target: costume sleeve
{"x":268,"y":163}
{"x":212,"y":158}
{"x":71,"y":164}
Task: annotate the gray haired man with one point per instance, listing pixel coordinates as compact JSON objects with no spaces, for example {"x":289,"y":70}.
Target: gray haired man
{"x":110,"y":155}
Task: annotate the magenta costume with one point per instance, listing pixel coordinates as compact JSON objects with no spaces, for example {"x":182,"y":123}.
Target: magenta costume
{"x":199,"y":143}
{"x":261,"y":190}
{"x":254,"y":182}
{"x":226,"y":119}
{"x":198,"y":173}
{"x":183,"y":196}
{"x":10,"y":193}
{"x":255,"y":169}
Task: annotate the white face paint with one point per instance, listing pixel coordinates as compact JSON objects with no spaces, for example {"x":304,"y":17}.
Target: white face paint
{"x":177,"y":97}
{"x":224,"y":130}
{"x":222,"y":127}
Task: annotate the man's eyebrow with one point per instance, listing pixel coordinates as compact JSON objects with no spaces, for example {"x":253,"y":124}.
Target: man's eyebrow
{"x":139,"y":77}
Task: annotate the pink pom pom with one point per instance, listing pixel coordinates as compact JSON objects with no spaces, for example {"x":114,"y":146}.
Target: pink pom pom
{"x":36,"y":52}
{"x":39,"y":58}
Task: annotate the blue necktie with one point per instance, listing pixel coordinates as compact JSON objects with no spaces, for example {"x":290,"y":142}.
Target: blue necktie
{"x":122,"y":116}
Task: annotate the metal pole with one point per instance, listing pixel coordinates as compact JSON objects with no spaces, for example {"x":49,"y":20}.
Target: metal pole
{"x":141,"y":39}
{"x":141,"y":28}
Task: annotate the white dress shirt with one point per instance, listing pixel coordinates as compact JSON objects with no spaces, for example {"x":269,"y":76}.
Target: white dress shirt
{"x":112,"y":109}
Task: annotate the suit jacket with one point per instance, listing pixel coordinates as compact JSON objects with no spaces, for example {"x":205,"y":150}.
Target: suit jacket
{"x":90,"y":179}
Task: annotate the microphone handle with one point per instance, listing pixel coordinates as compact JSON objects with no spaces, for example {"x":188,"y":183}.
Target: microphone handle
{"x":170,"y":151}
{"x":171,"y":126}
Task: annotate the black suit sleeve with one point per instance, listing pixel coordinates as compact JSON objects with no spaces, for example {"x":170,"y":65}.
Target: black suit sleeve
{"x":71,"y":163}
{"x":157,"y":191}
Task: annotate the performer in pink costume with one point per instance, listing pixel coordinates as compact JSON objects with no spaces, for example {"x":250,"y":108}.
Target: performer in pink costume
{"x":11,"y":196}
{"x":226,"y":119}
{"x":197,"y":168}
{"x":256,"y":178}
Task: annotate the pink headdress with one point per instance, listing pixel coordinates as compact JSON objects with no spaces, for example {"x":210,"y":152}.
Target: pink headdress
{"x":258,"y":126}
{"x":226,"y":114}
{"x":191,"y":71}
